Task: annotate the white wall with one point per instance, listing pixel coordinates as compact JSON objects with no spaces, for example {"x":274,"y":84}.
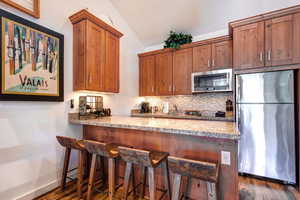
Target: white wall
{"x":30,"y":158}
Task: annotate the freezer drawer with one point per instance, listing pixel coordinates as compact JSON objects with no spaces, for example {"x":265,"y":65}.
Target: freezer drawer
{"x":269,"y":87}
{"x":267,"y":145}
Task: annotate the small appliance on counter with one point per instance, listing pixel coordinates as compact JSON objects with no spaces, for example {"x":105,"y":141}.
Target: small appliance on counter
{"x":145,"y":107}
{"x":220,"y":114}
{"x":165,"y":107}
{"x":229,"y":105}
{"x":91,"y":107}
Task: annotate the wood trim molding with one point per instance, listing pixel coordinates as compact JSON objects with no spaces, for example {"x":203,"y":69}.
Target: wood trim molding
{"x":267,"y":69}
{"x":34,"y":13}
{"x":263,"y":17}
{"x":186,"y":46}
{"x":85,"y":15}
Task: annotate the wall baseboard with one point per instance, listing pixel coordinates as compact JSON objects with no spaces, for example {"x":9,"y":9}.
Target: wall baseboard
{"x":39,"y":191}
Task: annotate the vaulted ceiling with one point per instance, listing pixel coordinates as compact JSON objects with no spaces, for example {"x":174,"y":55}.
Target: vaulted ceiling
{"x":153,"y":19}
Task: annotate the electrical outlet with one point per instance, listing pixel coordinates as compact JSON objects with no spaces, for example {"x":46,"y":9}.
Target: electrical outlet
{"x":225,"y":158}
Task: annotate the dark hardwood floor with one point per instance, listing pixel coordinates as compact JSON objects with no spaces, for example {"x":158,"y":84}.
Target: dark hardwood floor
{"x":250,"y":189}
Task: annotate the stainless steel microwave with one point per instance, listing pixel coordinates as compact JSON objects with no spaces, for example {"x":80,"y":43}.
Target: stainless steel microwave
{"x":212,"y":81}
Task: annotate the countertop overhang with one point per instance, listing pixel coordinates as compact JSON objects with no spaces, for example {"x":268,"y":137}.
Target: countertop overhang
{"x":202,"y":128}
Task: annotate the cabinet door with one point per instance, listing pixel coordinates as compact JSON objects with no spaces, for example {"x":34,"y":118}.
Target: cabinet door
{"x":202,"y":58}
{"x":297,"y":38}
{"x":111,"y":69}
{"x":95,"y":57}
{"x":79,"y":55}
{"x":222,"y":55}
{"x":147,"y":76}
{"x":279,"y":41}
{"x":182,"y":70}
{"x":248,"y":46}
{"x":164,"y":73}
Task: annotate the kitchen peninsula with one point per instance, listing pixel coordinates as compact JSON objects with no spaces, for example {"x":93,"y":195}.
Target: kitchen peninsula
{"x":213,"y":141}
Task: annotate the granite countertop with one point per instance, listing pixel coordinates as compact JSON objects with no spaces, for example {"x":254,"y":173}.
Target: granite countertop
{"x":182,"y":116}
{"x":214,"y":129}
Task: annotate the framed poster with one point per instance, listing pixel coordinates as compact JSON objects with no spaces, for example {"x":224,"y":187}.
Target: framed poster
{"x":30,"y":7}
{"x":32,"y":61}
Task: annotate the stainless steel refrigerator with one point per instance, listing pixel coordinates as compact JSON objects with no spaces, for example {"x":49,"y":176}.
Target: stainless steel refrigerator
{"x":266,"y":121}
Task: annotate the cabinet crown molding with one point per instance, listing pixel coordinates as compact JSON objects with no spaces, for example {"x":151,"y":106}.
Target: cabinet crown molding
{"x":86,"y":15}
{"x":186,"y":46}
{"x":263,"y":17}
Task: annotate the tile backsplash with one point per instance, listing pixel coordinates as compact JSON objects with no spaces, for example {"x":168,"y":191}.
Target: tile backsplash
{"x":205,"y":101}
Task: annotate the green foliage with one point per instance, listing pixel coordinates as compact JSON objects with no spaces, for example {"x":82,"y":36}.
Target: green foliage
{"x":175,"y":40}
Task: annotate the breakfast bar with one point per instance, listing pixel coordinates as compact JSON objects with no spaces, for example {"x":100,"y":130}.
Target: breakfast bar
{"x":211,"y":141}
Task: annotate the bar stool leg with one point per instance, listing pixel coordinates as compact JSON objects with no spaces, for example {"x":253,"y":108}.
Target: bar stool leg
{"x":127,"y":179}
{"x":167,"y":178}
{"x":92,"y":176}
{"x":65,"y":169}
{"x":143,"y":175}
{"x":111,"y":177}
{"x":211,"y":191}
{"x":102,"y":166}
{"x":133,"y":181}
{"x":80,"y":174}
{"x":176,"y":186}
{"x":152,"y":183}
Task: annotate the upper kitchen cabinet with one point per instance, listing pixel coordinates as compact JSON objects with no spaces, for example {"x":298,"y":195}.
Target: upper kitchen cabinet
{"x":147,"y":76}
{"x":95,"y":54}
{"x":212,"y":54}
{"x":202,"y":58}
{"x":221,"y":55}
{"x":270,"y":39}
{"x":164,"y":73}
{"x":182,"y":70}
{"x":279,"y":40}
{"x":248,"y":46}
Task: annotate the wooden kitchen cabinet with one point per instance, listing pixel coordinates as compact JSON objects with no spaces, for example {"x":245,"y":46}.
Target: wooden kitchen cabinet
{"x":95,"y":54}
{"x":267,"y":40}
{"x":202,"y":58}
{"x":147,"y":76}
{"x":111,"y":68}
{"x":182,"y":71}
{"x":214,"y":56}
{"x":95,"y":58}
{"x":248,"y":46}
{"x":279,"y":41}
{"x":164,"y":74}
{"x":221,"y":55}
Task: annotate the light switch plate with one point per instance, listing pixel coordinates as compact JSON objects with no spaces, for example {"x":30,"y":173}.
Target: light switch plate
{"x":225,"y":158}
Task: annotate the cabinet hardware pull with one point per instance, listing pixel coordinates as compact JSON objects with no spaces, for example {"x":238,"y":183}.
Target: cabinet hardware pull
{"x":213,"y":62}
{"x":261,"y":57}
{"x":174,"y":88}
{"x":269,"y":55}
{"x":170,"y":88}
{"x":152,"y":89}
{"x":208,"y":63}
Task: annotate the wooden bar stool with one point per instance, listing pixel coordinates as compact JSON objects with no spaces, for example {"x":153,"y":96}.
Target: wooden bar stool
{"x":205,"y":171}
{"x":109,"y":151}
{"x":147,"y":160}
{"x":73,"y":144}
